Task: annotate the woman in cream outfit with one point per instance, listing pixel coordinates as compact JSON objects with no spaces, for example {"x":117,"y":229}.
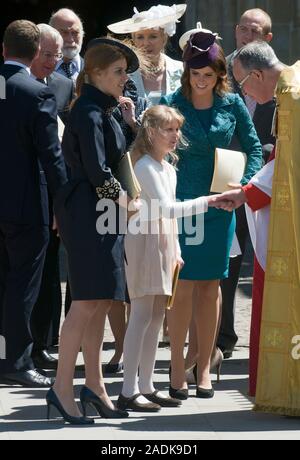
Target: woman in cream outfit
{"x":150,"y":31}
{"x":152,"y":251}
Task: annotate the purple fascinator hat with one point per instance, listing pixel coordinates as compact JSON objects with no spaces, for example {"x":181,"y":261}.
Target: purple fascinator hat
{"x":201,"y":50}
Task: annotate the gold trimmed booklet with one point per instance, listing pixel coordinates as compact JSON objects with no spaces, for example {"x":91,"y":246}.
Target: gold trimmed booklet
{"x":126,"y":176}
{"x":171,"y":298}
{"x":229,"y":168}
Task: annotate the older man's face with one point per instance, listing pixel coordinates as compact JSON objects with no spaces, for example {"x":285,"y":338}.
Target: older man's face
{"x":72,"y":34}
{"x":50,"y":53}
{"x":254,"y":83}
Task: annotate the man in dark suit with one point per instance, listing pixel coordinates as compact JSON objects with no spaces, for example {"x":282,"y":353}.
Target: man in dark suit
{"x":43,"y":69}
{"x":30,"y":159}
{"x":47,"y":310}
{"x":255,"y":24}
{"x":69,"y":25}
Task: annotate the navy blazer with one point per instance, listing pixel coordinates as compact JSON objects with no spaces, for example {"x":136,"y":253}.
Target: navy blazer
{"x":30,"y":150}
{"x":64,"y":92}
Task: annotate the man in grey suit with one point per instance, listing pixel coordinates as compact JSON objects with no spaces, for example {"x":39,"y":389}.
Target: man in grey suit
{"x":254,"y":24}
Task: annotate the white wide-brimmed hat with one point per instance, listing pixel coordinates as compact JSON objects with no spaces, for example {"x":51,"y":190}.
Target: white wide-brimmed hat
{"x":185,"y":37}
{"x":161,"y":16}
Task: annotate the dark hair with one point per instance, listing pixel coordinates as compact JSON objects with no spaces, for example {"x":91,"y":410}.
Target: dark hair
{"x":21,"y":39}
{"x":97,"y":57}
{"x":219,"y":66}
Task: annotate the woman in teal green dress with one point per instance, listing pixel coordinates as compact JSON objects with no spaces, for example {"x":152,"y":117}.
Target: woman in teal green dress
{"x":213,"y":116}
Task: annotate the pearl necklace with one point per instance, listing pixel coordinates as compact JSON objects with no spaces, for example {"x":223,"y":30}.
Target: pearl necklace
{"x":155,"y":69}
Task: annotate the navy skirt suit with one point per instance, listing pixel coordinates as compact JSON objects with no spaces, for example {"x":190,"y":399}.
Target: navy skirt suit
{"x":92,"y":145}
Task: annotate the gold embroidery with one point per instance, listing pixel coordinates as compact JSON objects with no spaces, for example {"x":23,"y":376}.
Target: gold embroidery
{"x":274,"y":339}
{"x":279,"y":267}
{"x":284,"y":125}
{"x":283,"y":197}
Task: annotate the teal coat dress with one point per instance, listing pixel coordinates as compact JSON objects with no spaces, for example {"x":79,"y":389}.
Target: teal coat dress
{"x":206,"y":239}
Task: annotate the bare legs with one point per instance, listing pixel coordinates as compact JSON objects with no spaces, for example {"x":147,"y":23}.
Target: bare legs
{"x":117,"y":321}
{"x":206,"y":321}
{"x":92,"y":350}
{"x":179,"y":318}
{"x":192,"y":353}
{"x":76,"y":330}
{"x":201,"y":298}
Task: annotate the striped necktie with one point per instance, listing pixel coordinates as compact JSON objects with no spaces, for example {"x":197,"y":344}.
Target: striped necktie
{"x":251,"y":105}
{"x":67,"y":68}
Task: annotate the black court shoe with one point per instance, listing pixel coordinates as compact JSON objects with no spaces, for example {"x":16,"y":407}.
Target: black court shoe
{"x":205,"y":393}
{"x":52,"y":400}
{"x":89,"y":397}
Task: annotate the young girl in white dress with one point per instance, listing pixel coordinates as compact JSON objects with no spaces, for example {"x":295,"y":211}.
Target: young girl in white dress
{"x":152,"y":251}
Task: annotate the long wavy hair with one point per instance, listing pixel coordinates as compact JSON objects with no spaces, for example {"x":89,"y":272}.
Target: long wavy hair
{"x":219,"y":66}
{"x":156,"y":117}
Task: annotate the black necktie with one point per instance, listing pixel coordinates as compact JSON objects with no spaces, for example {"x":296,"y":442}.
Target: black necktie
{"x":41,"y":80}
{"x":67,"y":68}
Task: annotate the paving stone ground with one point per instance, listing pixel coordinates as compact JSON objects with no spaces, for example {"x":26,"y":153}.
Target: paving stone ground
{"x":227,"y":416}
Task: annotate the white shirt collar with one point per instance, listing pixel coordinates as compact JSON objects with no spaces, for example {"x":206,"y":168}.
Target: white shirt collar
{"x":20,"y":64}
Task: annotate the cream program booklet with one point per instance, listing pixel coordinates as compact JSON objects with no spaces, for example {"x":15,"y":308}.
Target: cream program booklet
{"x":229,"y":168}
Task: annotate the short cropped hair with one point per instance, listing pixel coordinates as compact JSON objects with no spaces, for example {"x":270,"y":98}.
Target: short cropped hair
{"x":257,"y":55}
{"x":267,"y":27}
{"x":22,"y":39}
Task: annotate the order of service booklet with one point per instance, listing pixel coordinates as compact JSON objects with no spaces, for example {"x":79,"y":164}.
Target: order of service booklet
{"x":126,"y":176}
{"x":229,"y":168}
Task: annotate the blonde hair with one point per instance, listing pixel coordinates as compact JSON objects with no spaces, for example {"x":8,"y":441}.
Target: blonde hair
{"x":145,"y":60}
{"x":156,"y":117}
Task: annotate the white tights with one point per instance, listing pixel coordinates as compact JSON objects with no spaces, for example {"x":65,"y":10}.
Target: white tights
{"x":140,"y":344}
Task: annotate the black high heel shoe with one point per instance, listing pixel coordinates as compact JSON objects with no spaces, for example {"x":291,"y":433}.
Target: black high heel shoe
{"x":181,"y":394}
{"x":52,"y":400}
{"x":112,"y":368}
{"x":205,"y":393}
{"x":215,"y":364}
{"x":89,"y":397}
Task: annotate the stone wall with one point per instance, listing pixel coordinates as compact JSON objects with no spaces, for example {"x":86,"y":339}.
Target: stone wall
{"x":223,"y":15}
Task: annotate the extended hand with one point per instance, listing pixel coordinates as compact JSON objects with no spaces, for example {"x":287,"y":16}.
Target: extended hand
{"x":229,"y":200}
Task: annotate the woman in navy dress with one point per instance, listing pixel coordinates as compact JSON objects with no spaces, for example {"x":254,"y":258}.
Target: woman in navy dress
{"x":93,"y":144}
{"x":213,"y":116}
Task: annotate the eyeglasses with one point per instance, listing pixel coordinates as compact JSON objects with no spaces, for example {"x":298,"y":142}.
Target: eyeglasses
{"x":241,"y":83}
{"x":47,"y":55}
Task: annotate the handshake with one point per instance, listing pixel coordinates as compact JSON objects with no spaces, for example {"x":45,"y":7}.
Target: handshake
{"x":228,"y":201}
